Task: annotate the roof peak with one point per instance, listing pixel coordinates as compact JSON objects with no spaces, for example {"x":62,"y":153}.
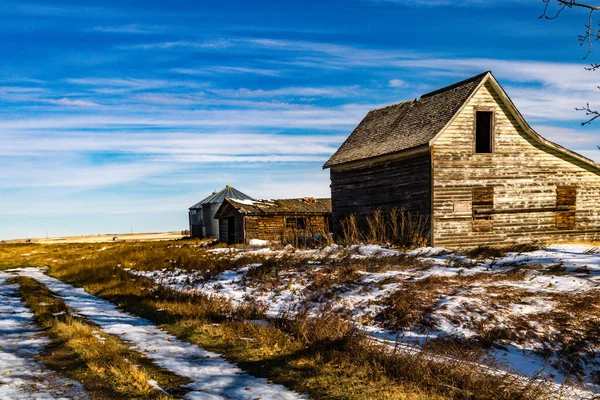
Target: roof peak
{"x":406,"y":125}
{"x":455,"y":84}
{"x":218,"y":197}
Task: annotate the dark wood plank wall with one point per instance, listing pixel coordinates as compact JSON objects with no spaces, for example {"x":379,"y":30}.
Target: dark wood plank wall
{"x":238,"y":235}
{"x":270,"y":227}
{"x":223,"y":230}
{"x":403,"y":183}
{"x":524,"y":174}
{"x":273,"y":227}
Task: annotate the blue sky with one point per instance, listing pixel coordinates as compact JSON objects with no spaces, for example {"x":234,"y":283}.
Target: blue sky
{"x":119,"y":115}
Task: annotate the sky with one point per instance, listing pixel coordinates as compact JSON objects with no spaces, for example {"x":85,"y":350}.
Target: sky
{"x":117,"y":116}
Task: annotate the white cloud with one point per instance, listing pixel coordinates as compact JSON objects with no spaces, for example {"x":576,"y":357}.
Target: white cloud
{"x":226,"y":69}
{"x":123,"y":85}
{"x":571,"y":138}
{"x":179,"y":44}
{"x":171,"y":99}
{"x":50,"y":172}
{"x":131,"y":28}
{"x":211,"y":147}
{"x":73,"y":102}
{"x":322,"y":91}
{"x":301,"y":117}
{"x":396,"y":83}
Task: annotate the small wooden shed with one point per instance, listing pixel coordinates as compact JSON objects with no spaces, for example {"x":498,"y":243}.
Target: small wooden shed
{"x":285,"y":220}
{"x":465,"y":157}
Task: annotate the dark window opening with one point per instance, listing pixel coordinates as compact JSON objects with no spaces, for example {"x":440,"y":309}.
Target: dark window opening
{"x":483,"y":208}
{"x":295,"y":223}
{"x":566,"y":198}
{"x":483,"y":131}
{"x":231,"y":230}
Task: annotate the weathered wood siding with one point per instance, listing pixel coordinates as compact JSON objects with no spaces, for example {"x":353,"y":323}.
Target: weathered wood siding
{"x":273,"y":227}
{"x":403,"y":183}
{"x":237,"y":236}
{"x":524,"y":175}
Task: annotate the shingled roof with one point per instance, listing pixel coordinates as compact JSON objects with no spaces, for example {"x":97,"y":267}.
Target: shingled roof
{"x":405,"y":125}
{"x":305,"y":206}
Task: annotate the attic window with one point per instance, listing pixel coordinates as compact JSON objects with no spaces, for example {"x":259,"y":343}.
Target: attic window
{"x":483,"y":131}
{"x":483,"y":208}
{"x":566,"y":199}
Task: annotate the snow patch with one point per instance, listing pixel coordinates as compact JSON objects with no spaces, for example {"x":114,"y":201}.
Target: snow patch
{"x":21,"y":377}
{"x":213,"y":377}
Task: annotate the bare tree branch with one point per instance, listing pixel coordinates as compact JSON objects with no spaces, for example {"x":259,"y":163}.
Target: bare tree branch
{"x":588,"y":111}
{"x":590,"y":35}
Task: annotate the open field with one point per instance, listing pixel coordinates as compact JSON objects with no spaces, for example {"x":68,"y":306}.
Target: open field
{"x":102,"y":238}
{"x":333,"y":323}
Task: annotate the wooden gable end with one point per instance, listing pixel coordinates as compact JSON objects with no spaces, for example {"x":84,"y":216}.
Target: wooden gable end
{"x":226,"y":210}
{"x":534,"y":183}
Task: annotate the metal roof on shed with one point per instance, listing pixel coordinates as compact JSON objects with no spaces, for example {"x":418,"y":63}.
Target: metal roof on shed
{"x":229,"y":192}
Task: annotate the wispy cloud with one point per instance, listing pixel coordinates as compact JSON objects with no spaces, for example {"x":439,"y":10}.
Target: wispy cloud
{"x":225,"y":69}
{"x":73,"y":102}
{"x":323,"y":91}
{"x":173,"y":144}
{"x":572,"y":138}
{"x":445,"y":3}
{"x":179,"y":44}
{"x":75,"y":174}
{"x":36,"y":95}
{"x":131,"y":29}
{"x":302,"y":117}
{"x":396,"y":83}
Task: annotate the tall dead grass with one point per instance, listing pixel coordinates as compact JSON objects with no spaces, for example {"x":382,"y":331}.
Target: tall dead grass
{"x":397,"y":227}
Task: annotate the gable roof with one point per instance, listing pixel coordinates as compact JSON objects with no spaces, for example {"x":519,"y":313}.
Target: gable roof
{"x":229,"y":192}
{"x":405,"y":125}
{"x":417,"y":123}
{"x":305,"y":206}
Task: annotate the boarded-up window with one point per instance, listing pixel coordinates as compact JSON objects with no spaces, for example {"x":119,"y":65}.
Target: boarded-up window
{"x":483,"y":208}
{"x":295,"y":223}
{"x":566,"y":198}
{"x":483,"y":131}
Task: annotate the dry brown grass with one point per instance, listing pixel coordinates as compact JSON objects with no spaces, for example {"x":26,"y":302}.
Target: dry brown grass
{"x":108,"y":368}
{"x":414,"y":301}
{"x":320,"y":355}
{"x":486,"y":252}
{"x":397,"y":227}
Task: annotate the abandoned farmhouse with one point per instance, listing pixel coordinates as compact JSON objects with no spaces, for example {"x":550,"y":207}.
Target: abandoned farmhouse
{"x":466,"y":159}
{"x":289,"y":220}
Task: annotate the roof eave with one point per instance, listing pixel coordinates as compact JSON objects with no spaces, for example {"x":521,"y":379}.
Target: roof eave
{"x":383,"y":157}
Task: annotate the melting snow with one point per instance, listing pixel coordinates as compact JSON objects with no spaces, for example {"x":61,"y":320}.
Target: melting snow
{"x":453,"y":315}
{"x":21,"y":377}
{"x":214,"y":378}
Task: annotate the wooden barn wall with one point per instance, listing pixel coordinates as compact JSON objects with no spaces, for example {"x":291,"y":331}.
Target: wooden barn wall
{"x":404,"y":183}
{"x":523,"y":173}
{"x":237,"y":236}
{"x":223,"y":230}
{"x":273,"y":227}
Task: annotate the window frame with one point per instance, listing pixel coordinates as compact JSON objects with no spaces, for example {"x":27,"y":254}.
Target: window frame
{"x":479,"y":220}
{"x":565,"y":216}
{"x":292,"y":223}
{"x":491,"y":110}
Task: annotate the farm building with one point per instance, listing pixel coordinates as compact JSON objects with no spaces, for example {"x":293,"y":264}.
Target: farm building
{"x":465,"y":158}
{"x":289,"y":220}
{"x":202,"y":214}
